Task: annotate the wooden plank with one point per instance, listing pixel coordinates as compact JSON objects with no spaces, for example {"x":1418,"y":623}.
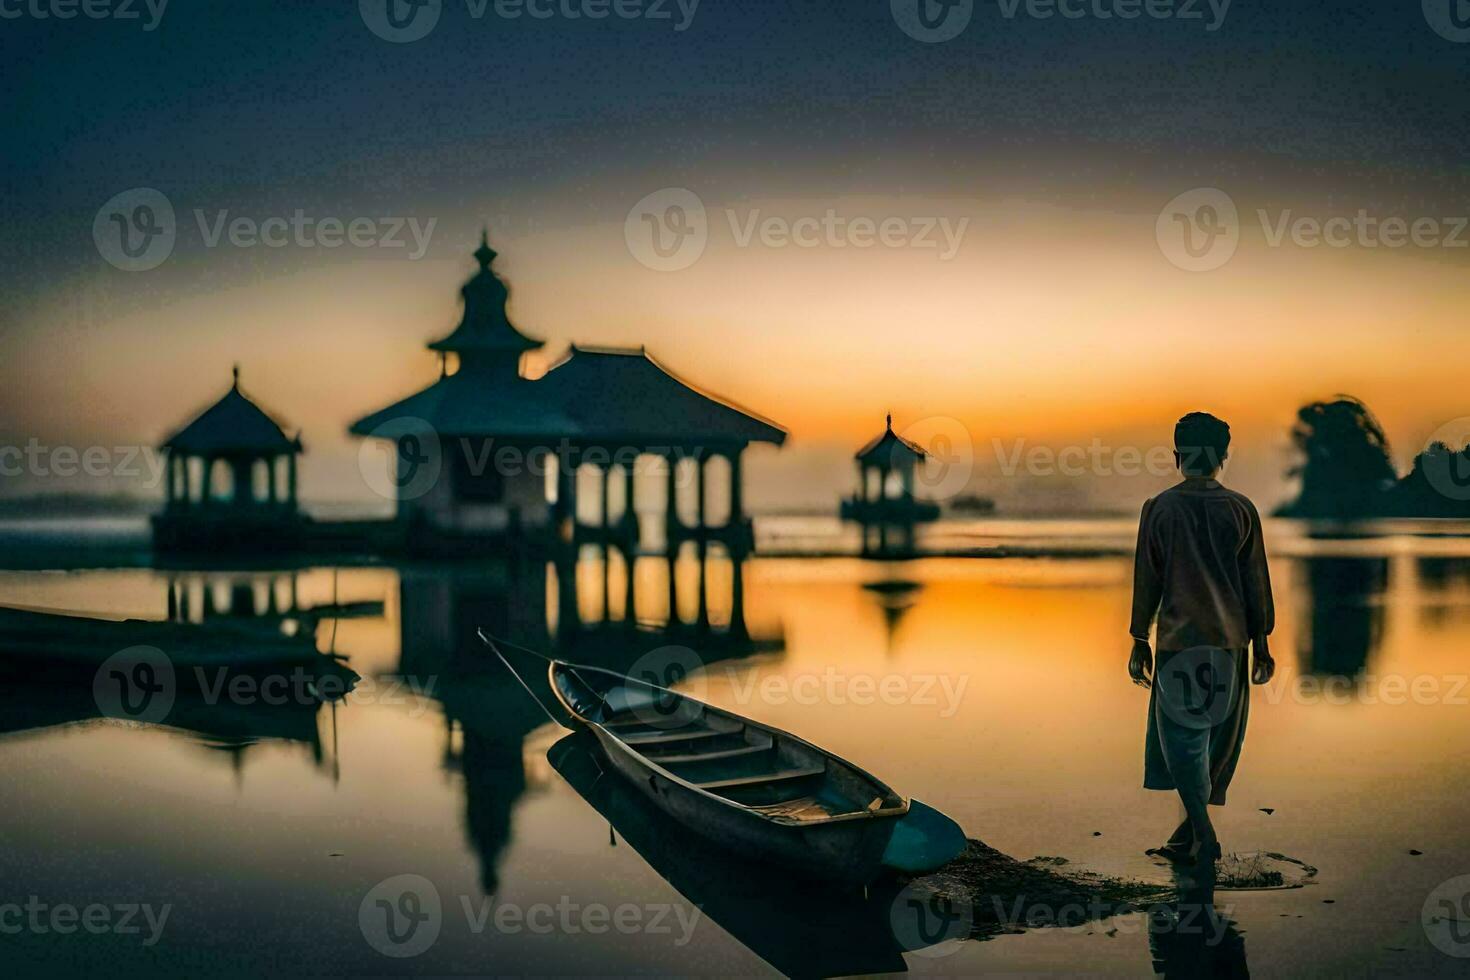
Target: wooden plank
{"x":677,"y":735}
{"x":665,"y":760}
{"x":763,"y":779}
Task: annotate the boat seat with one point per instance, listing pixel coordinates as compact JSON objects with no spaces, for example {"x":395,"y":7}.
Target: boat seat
{"x":712,"y":755}
{"x":764,"y":778}
{"x":674,"y":735}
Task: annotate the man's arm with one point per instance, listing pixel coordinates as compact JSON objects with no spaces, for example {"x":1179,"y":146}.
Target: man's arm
{"x":1260,"y":608}
{"x":1147,"y":590}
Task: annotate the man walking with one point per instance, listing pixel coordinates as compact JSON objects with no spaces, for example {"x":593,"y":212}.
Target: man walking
{"x":1200,"y":568}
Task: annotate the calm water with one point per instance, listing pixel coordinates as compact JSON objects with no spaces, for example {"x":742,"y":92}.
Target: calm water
{"x":994,"y":690}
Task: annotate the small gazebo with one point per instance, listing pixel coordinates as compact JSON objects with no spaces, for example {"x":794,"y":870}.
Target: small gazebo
{"x":885,"y":504}
{"x":230,"y":480}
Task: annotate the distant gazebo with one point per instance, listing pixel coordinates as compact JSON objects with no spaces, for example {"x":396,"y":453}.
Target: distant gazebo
{"x":231,"y":481}
{"x":885,"y":505}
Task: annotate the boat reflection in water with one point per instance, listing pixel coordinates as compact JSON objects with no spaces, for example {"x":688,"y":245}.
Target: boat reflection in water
{"x":53,"y":664}
{"x":800,"y":928}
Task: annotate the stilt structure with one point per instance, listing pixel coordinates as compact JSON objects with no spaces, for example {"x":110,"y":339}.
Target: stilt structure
{"x":230,"y":482}
{"x":884,"y":505}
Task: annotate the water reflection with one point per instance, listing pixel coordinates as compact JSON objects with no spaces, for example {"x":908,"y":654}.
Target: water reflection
{"x":576,"y":610}
{"x":800,"y":929}
{"x":1342,"y":625}
{"x":1189,"y":937}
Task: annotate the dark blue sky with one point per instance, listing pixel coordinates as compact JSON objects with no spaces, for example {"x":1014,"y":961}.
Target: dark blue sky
{"x":248,"y":102}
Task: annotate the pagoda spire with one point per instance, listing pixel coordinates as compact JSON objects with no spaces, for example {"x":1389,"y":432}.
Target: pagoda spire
{"x":485,"y":333}
{"x":485,"y":254}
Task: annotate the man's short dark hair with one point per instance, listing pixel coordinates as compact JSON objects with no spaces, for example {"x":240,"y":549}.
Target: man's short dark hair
{"x":1202,"y":442}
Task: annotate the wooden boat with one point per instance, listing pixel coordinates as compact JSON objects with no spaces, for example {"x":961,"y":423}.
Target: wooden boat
{"x":756,"y":789}
{"x":801,"y":928}
{"x":41,"y":639}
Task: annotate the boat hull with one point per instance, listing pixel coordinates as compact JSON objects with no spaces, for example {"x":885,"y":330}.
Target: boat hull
{"x":845,"y":850}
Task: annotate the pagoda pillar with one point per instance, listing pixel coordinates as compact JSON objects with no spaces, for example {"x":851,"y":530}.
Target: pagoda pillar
{"x":291,"y":481}
{"x":606,"y":483}
{"x":630,"y":513}
{"x":699,"y":461}
{"x":206,"y":491}
{"x":270,"y":479}
{"x":671,"y":515}
{"x":737,"y":503}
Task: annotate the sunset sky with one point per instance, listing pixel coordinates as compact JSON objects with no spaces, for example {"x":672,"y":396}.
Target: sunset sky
{"x":1055,"y":145}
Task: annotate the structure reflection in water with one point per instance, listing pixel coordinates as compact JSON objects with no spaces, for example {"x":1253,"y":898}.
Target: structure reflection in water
{"x":608,"y":608}
{"x":228,"y":608}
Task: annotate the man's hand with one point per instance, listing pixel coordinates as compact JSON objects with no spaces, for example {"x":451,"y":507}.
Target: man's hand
{"x":1141,"y":663}
{"x":1263,"y":667}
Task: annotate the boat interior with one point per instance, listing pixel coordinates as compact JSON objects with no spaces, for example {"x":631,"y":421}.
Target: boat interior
{"x":760,"y":768}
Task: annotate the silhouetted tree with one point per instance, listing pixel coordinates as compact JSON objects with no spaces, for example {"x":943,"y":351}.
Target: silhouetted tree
{"x":1437,"y":486}
{"x":1345,"y":470}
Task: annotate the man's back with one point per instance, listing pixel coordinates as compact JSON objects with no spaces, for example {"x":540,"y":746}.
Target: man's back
{"x":1201,"y":566}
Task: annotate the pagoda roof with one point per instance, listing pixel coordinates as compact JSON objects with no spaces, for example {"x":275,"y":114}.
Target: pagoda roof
{"x":625,"y":394}
{"x":890,"y":448}
{"x":234,"y":425}
{"x":471,"y":403}
{"x":591,"y":395}
{"x":485,"y":326}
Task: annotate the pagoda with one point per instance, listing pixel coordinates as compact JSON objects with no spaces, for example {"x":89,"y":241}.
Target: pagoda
{"x":884,"y":504}
{"x":230,"y":481}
